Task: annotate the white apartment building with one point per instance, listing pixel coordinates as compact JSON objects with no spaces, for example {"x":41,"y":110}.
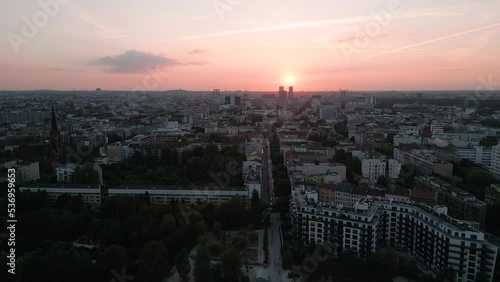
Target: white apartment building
{"x":495,"y":161}
{"x":480,"y":155}
{"x":90,"y":193}
{"x":65,"y":172}
{"x":394,"y":168}
{"x":373,"y":168}
{"x":163,"y":194}
{"x":428,"y":234}
{"x":437,"y":127}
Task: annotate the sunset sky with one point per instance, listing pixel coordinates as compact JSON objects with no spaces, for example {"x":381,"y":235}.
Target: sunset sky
{"x":248,"y":44}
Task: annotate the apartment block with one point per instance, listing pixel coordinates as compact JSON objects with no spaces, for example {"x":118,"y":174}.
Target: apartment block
{"x":164,"y":194}
{"x":90,"y":193}
{"x":479,"y":155}
{"x":27,"y":171}
{"x":495,"y":161}
{"x":428,"y":234}
{"x":373,"y":168}
{"x":492,"y":194}
{"x":461,"y":204}
{"x":426,"y":163}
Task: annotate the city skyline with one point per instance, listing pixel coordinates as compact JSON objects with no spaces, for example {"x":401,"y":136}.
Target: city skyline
{"x":243,"y":45}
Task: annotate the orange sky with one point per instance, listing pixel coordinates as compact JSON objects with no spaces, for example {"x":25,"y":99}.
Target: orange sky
{"x":251,"y":45}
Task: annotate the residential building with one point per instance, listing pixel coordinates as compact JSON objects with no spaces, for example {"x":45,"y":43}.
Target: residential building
{"x":425,"y":162}
{"x":394,"y":168}
{"x":316,"y":169}
{"x":428,"y":234}
{"x":116,"y":153}
{"x":328,"y":113}
{"x":327,"y":193}
{"x":495,"y":161}
{"x":251,"y":185}
{"x":437,"y":127}
{"x":492,"y":194}
{"x":171,"y":134}
{"x":90,"y":193}
{"x":65,"y":172}
{"x":479,"y":155}
{"x":461,"y":204}
{"x":27,"y":171}
{"x":163,"y":194}
{"x":373,"y":168}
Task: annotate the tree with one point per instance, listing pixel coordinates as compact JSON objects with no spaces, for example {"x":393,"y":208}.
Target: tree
{"x":86,"y":175}
{"x":113,"y":138}
{"x":169,"y":157}
{"x":446,"y":274}
{"x":382,"y":181}
{"x":242,"y":242}
{"x":489,"y":141}
{"x":293,"y":276}
{"x":202,"y":264}
{"x":253,"y":237}
{"x":214,"y":138}
{"x":216,"y":228}
{"x":168,"y":223}
{"x":153,"y":261}
{"x":341,"y":128}
{"x":287,"y":259}
{"x":182,"y":263}
{"x":216,"y":248}
{"x":282,"y":187}
{"x":211,"y":149}
{"x":114,"y":257}
{"x":233,"y":213}
{"x":231,"y":265}
{"x":256,"y":208}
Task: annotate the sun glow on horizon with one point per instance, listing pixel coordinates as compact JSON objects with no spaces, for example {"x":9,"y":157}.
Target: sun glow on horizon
{"x":289,"y":79}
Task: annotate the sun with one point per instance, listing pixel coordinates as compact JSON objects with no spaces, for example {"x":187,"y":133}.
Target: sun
{"x":289,"y":79}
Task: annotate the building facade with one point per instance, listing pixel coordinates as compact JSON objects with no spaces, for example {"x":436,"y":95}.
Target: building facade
{"x":90,"y":193}
{"x":372,"y":169}
{"x":461,"y":204}
{"x":163,"y":194}
{"x":495,"y":161}
{"x":428,"y":234}
{"x":492,"y":194}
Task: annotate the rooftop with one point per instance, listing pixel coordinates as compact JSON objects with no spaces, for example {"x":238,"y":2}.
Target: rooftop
{"x":178,"y":187}
{"x":62,"y":185}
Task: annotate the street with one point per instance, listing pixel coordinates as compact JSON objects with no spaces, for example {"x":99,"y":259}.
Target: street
{"x":265,"y":174}
{"x":275,"y":266}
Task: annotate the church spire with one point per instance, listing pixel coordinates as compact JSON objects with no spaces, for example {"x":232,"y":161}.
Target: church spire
{"x":54,"y":121}
{"x":55,"y":137}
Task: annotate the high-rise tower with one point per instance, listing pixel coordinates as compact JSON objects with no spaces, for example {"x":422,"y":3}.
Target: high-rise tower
{"x":282,"y":97}
{"x":291,"y":95}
